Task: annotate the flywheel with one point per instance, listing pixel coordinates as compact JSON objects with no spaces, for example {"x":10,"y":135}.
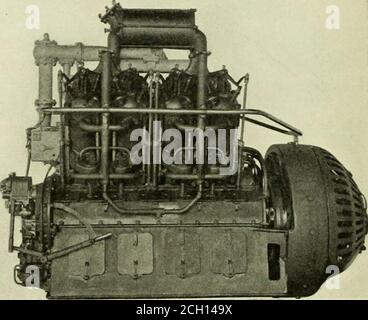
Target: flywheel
{"x":315,"y":197}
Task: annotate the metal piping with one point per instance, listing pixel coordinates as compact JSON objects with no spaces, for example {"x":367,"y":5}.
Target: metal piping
{"x":158,"y":111}
{"x":97,"y":128}
{"x":75,"y":214}
{"x":155,"y":165}
{"x":45,"y":91}
{"x":149,"y":17}
{"x":105,"y":118}
{"x":163,"y":37}
{"x":294,"y":131}
{"x":45,"y":50}
{"x":156,"y":211}
{"x":162,"y":66}
{"x":150,"y":126}
{"x":241,"y":140}
{"x":178,"y":176}
{"x":96,"y":176}
{"x":113,"y":44}
{"x":246,"y":81}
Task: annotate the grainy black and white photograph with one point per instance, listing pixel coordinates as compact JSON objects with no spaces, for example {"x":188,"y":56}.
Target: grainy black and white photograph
{"x":194,"y":149}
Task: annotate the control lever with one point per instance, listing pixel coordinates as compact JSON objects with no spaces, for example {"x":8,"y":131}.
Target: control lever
{"x":63,"y":252}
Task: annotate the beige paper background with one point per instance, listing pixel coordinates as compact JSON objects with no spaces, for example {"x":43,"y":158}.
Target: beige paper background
{"x":311,"y":77}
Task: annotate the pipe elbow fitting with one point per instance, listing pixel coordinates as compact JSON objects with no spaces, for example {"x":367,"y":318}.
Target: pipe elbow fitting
{"x":200,"y":41}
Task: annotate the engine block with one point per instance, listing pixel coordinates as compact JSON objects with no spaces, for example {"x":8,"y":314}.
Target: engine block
{"x":151,"y":189}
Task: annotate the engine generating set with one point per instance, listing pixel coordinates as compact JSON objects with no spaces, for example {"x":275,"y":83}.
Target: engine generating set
{"x":128,"y":209}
